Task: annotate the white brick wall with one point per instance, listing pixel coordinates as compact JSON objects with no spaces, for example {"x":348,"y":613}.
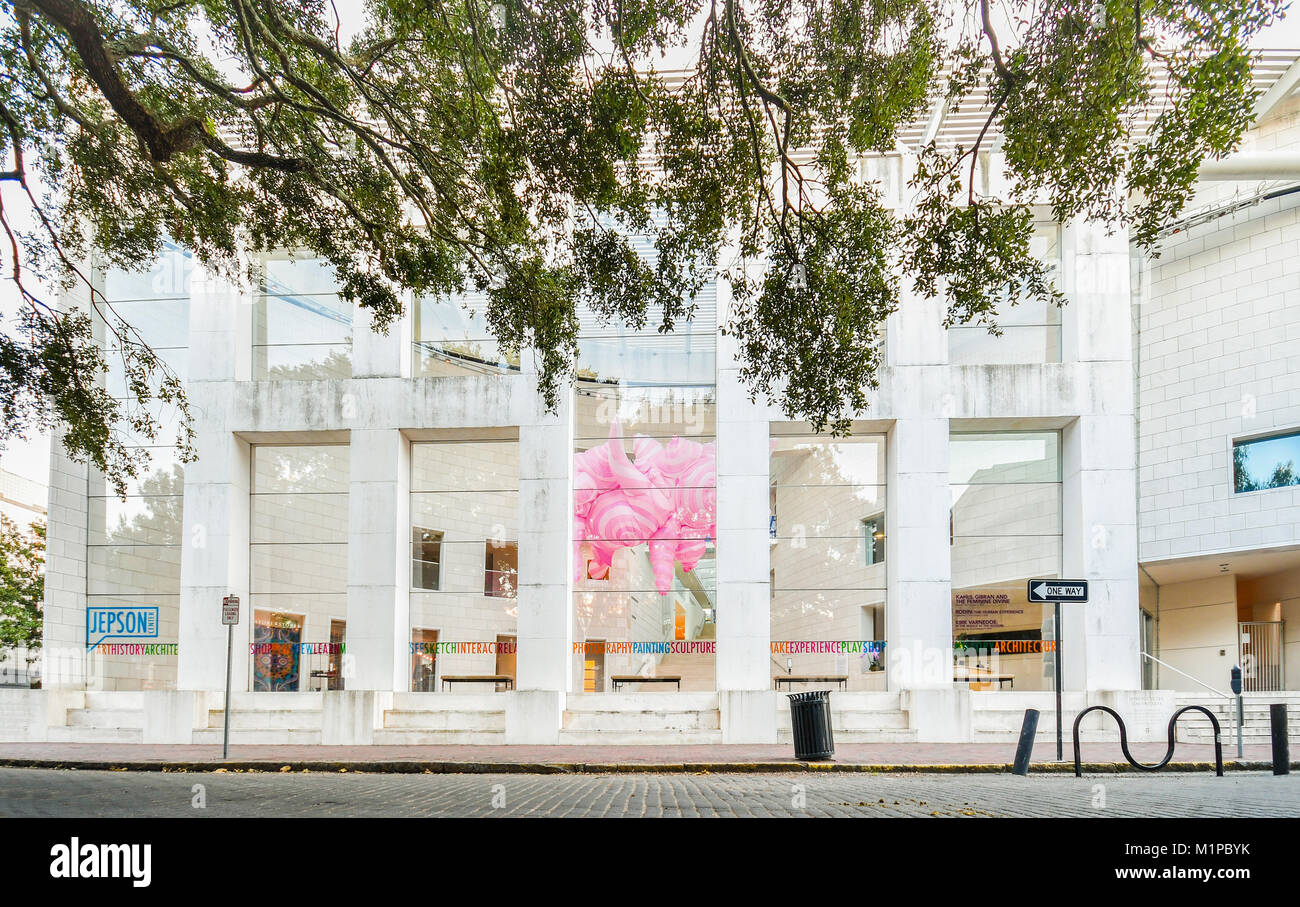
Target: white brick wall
{"x":1219,"y":325}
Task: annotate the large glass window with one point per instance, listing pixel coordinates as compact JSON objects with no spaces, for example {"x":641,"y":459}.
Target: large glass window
{"x":1030,"y":328}
{"x":299,"y":567}
{"x":1006,"y":530}
{"x":1268,"y":462}
{"x":452,"y":338}
{"x":612,"y":352}
{"x":302,"y":328}
{"x":464,"y":564}
{"x":828,"y":550}
{"x":133,"y":544}
{"x":645,"y":500}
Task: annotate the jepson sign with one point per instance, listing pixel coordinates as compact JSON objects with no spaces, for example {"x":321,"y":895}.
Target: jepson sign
{"x":115,"y":623}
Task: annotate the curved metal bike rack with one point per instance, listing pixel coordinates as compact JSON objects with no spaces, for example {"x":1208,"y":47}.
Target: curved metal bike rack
{"x":1123,"y":739}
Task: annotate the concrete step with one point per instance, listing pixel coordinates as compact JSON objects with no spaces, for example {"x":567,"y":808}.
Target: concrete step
{"x":854,"y":721}
{"x":115,"y":699}
{"x":106,"y":718}
{"x":267,"y":736}
{"x":1248,"y":735}
{"x":96,"y":735}
{"x":428,"y":737}
{"x":623,"y":702}
{"x":445,"y":720}
{"x":264,"y":719}
{"x":646,"y":720}
{"x":874,"y":735}
{"x":453,"y":700}
{"x":294,"y":702}
{"x":1046,"y":733}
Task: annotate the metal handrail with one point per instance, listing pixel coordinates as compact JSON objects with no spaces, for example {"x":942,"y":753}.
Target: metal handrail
{"x":1237,"y":718}
{"x":1185,"y":674}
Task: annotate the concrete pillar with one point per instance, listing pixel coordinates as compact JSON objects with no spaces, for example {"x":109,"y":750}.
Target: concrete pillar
{"x":545,"y":595}
{"x":746,"y":702}
{"x":65,"y":663}
{"x":1099,"y":456}
{"x":380,"y":355}
{"x":918,"y":563}
{"x":379,"y":549}
{"x":214,"y":552}
{"x":1099,"y":543}
{"x":214,"y":555}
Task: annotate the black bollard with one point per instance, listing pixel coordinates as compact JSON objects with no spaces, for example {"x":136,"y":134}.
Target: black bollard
{"x":1025,"y":748}
{"x":1281,"y":747}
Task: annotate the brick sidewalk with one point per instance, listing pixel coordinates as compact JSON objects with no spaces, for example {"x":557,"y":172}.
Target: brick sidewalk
{"x":449,"y":758}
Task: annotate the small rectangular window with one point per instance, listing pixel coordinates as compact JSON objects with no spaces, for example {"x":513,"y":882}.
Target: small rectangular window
{"x":1270,"y":462}
{"x":873,"y":539}
{"x":426,"y":558}
{"x":500,"y":569}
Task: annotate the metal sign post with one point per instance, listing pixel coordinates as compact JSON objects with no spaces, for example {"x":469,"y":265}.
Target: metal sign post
{"x":1056,"y":591}
{"x":1056,"y":625}
{"x":229,"y":617}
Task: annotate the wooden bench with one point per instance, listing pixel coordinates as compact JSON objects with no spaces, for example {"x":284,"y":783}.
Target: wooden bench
{"x":982,"y":677}
{"x":620,"y":679}
{"x":789,"y":679}
{"x":478,"y":678}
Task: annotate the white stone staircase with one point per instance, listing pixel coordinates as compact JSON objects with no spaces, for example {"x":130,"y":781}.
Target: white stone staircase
{"x":646,"y":719}
{"x":866,"y":717}
{"x":103,"y":717}
{"x":422,"y":719}
{"x":266,"y":718}
{"x":1194,"y":727}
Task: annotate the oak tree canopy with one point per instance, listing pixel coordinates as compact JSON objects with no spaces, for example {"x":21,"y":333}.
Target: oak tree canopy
{"x":512,"y":146}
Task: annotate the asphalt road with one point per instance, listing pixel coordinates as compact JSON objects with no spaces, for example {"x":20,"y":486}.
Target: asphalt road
{"x":75,"y":794}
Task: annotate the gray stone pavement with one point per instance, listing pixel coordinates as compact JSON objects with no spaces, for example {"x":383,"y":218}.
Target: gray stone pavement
{"x":92,"y":794}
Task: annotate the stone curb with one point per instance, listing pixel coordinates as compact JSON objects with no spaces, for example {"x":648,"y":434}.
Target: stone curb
{"x":603,"y":768}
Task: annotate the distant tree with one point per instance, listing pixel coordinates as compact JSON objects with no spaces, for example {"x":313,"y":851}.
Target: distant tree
{"x":22,"y":587}
{"x":1240,"y":474}
{"x":512,"y":145}
{"x":1283,"y":475}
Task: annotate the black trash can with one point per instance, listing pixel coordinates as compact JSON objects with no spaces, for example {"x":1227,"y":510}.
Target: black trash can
{"x":810,"y":718}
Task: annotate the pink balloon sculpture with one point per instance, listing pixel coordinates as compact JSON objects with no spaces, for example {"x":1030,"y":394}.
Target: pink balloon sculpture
{"x":666,"y":498}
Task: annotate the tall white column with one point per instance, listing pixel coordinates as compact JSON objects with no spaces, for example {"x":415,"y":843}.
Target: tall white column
{"x":545,"y":595}
{"x":1099,"y":532}
{"x":65,"y":662}
{"x":744,"y":605}
{"x":746,"y":702}
{"x":1099,"y":543}
{"x":918,"y":563}
{"x":214,"y":553}
{"x":379,"y":549}
{"x":744,"y":620}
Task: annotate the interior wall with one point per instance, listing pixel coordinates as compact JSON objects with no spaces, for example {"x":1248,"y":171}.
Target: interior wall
{"x":1277,"y":597}
{"x":1197,"y":632}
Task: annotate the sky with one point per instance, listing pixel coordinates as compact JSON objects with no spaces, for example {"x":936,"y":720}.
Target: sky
{"x":29,"y":457}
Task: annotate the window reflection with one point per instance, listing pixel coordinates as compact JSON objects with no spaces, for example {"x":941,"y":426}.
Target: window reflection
{"x":828,"y":550}
{"x":302,"y":328}
{"x":1006,"y":530}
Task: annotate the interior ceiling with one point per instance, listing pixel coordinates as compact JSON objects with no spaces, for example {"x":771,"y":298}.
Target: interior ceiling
{"x":1243,"y":565}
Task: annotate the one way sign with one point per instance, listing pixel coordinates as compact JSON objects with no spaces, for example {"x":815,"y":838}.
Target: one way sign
{"x":1058,"y":590}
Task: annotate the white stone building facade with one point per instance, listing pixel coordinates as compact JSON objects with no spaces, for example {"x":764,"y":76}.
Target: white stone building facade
{"x":396,"y":513}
